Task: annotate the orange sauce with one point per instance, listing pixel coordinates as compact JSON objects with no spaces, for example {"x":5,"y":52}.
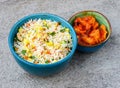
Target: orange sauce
{"x":89,"y":31}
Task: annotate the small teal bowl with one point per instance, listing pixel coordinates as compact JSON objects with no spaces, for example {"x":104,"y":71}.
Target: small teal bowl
{"x":102,"y":20}
{"x":42,"y":69}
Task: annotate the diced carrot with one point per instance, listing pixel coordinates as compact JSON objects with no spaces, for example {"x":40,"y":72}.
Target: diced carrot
{"x":34,"y":38}
{"x":34,"y":48}
{"x":16,"y":49}
{"x":27,"y":44}
{"x":48,"y":52}
{"x":25,"y":57}
{"x":36,"y":62}
{"x":27,"y":24}
{"x":42,"y":52}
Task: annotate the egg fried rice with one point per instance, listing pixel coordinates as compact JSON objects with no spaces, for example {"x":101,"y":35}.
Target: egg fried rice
{"x":43,"y":41}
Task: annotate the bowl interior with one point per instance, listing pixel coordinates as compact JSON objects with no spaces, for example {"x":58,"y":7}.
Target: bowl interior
{"x":99,"y":17}
{"x":52,"y":17}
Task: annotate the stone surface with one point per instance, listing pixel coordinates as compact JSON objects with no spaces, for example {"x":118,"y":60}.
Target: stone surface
{"x":95,"y":70}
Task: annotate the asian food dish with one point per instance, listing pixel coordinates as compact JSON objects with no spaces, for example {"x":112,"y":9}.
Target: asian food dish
{"x":42,"y":41}
{"x":89,"y":31}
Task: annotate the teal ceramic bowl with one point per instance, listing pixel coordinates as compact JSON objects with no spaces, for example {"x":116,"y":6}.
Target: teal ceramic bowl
{"x":102,"y":20}
{"x":42,"y":69}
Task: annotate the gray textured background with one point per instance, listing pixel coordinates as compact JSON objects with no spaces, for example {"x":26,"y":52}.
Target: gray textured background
{"x":96,"y":70}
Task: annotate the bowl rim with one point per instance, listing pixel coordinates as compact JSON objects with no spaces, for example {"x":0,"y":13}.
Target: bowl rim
{"x":110,"y":30}
{"x":16,"y":56}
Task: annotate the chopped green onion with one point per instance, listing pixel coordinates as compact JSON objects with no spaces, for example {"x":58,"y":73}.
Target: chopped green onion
{"x":23,"y":52}
{"x":59,"y":23}
{"x":65,"y":29}
{"x":62,"y":30}
{"x":68,"y":41}
{"x":52,"y":33}
{"x":59,"y":57}
{"x":14,"y":48}
{"x":15,"y":39}
{"x":52,"y":59}
{"x":32,"y":57}
{"x":63,"y":42}
{"x":67,"y":53}
{"x":45,"y":25}
{"x":47,"y":61}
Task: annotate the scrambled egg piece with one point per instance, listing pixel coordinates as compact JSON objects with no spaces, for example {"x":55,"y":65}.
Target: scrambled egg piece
{"x":37,"y":27}
{"x":30,"y":60}
{"x":50,"y":43}
{"x":20,"y":29}
{"x":26,"y":41}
